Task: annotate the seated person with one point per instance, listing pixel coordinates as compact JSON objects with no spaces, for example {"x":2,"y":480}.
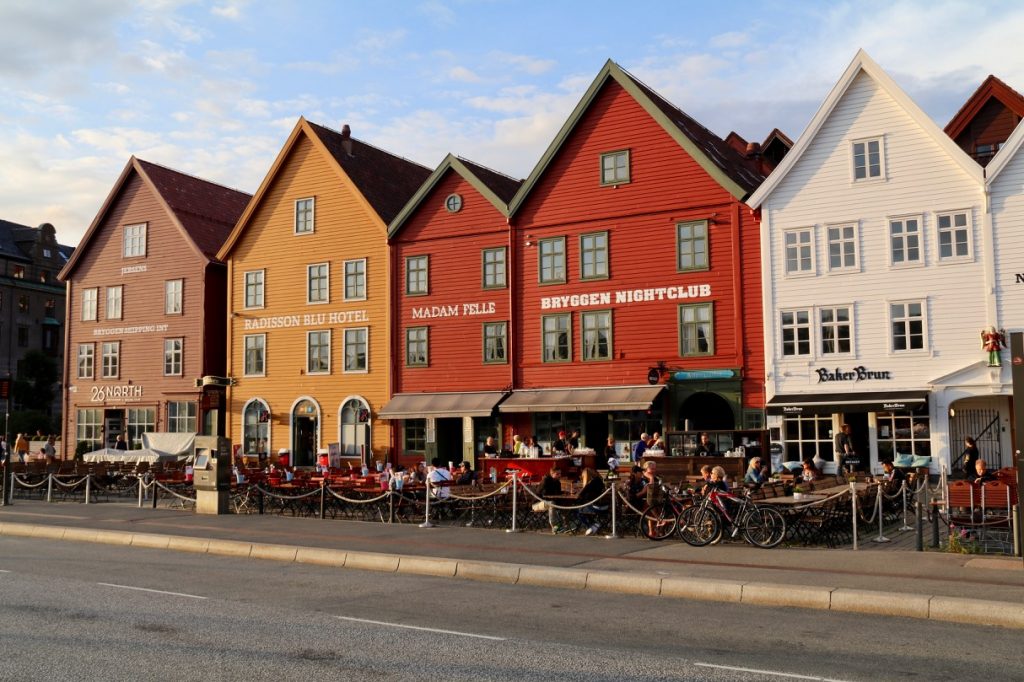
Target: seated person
{"x":490,"y":449}
{"x":717,"y":481}
{"x":705,"y":448}
{"x":593,"y":488}
{"x":756,"y":474}
{"x":981,"y":473}
{"x":465,"y":475}
{"x":810,"y":472}
{"x":705,"y":474}
{"x":635,"y":486}
{"x":551,"y":484}
{"x":891,"y":474}
{"x":439,"y":474}
{"x":651,"y":491}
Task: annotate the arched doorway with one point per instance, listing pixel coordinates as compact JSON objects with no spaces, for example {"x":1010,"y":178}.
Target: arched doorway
{"x":706,"y":411}
{"x":256,"y":428}
{"x":354,"y":419}
{"x":305,"y":431}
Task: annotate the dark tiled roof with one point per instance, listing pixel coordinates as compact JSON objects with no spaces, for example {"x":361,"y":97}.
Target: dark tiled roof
{"x":10,"y":235}
{"x":66,"y":252}
{"x":206,"y":210}
{"x":385,"y":180}
{"x":499,"y":183}
{"x":742,"y":171}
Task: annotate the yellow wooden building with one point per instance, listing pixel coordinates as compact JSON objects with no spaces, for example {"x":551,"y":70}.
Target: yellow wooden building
{"x":308,"y":285}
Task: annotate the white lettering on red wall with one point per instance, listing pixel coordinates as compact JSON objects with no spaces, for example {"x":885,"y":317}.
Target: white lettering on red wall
{"x":429,"y":312}
{"x":673,"y":293}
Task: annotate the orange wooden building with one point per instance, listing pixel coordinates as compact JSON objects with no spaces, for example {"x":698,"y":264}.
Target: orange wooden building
{"x":308,"y":287}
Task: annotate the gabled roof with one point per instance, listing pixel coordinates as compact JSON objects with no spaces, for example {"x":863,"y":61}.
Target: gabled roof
{"x":990,"y":88}
{"x":1002,"y":157}
{"x":383,"y":180}
{"x":863,"y":63}
{"x":496,"y":187}
{"x":204,"y":211}
{"x":729,"y":168}
{"x":8,"y":244}
{"x":777,"y":134}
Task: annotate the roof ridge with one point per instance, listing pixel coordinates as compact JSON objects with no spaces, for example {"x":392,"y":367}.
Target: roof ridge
{"x":190,"y":175}
{"x":672,"y":104}
{"x":488,"y":168}
{"x":362,"y":141}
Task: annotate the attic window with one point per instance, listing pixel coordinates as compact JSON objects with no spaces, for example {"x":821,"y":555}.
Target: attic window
{"x":868,"y":160}
{"x":134,"y":241}
{"x":304,"y":216}
{"x":615,"y":167}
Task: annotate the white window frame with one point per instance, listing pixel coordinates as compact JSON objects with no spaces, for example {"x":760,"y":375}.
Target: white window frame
{"x":903,"y":237}
{"x":835,"y":325}
{"x":799,"y":272}
{"x":418,"y":290}
{"x":309,"y":334}
{"x":115,"y":302}
{"x":361,"y":275}
{"x":312,"y":216}
{"x":174,"y":356}
{"x":614,"y":179}
{"x":953,"y":229}
{"x":133,"y":241}
{"x":263,"y":355}
{"x":366,"y":354}
{"x":111,"y":368}
{"x":86,"y":361}
{"x":90,"y":303}
{"x":924,"y":326}
{"x":258,"y":284}
{"x":866,"y":141}
{"x":309,"y":284}
{"x":191,"y":414}
{"x":174,"y":293}
{"x":796,"y":326}
{"x":843,"y":241}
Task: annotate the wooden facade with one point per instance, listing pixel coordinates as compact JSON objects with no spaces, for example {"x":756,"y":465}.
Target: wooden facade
{"x":321,"y":210}
{"x":146,"y":313}
{"x":986,"y":119}
{"x":458,"y":222}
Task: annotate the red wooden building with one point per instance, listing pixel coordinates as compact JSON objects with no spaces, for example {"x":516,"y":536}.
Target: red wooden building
{"x":451,"y":312}
{"x":986,"y":119}
{"x":635,"y":261}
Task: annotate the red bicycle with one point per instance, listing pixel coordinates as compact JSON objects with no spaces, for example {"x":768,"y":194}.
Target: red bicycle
{"x":704,"y":522}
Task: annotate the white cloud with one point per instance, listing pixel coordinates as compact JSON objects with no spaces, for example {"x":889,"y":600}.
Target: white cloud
{"x":380,"y":41}
{"x":438,"y":13}
{"x":463,"y":75}
{"x":338,"y":63}
{"x":730,"y":39}
{"x":229,"y":10}
{"x":531,"y":65}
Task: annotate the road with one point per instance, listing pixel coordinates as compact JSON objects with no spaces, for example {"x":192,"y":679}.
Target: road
{"x":79,"y":611}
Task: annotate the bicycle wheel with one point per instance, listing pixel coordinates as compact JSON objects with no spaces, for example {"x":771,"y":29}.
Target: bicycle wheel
{"x":698,"y":526}
{"x":658,"y":521}
{"x":764,"y":527}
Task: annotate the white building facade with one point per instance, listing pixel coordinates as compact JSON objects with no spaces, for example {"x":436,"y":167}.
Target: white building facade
{"x":877,"y":251}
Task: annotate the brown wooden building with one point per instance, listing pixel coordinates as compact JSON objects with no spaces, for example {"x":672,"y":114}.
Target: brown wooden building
{"x":146,"y":309}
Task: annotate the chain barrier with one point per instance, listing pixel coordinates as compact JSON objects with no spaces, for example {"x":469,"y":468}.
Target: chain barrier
{"x":174,"y":493}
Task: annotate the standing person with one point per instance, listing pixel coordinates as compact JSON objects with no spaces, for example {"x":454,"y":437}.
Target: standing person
{"x":120,"y":443}
{"x":50,"y":450}
{"x":640,"y":447}
{"x":490,"y":449}
{"x":844,"y":447}
{"x":530,"y":448}
{"x":517,"y":446}
{"x":705,"y":448}
{"x":21,"y":447}
{"x":574,"y":440}
{"x":559,"y":446}
{"x":969,"y":456}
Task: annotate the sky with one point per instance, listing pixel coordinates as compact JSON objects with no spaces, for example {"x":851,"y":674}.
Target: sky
{"x":213,"y":88}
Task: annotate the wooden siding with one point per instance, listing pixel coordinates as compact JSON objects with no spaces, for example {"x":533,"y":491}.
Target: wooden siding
{"x":453,"y":243}
{"x":168,"y":256}
{"x":344,"y":230}
{"x":1008,"y":226}
{"x":992,"y":125}
{"x":921,"y":179}
{"x":666,"y":187}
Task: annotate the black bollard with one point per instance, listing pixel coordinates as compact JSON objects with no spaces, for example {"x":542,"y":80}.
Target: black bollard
{"x":323,"y":497}
{"x":156,"y":490}
{"x":935,"y":526}
{"x":259,"y":500}
{"x":919,"y":523}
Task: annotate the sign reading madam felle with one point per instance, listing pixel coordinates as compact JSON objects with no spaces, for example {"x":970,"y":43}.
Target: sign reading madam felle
{"x":428,"y":312}
{"x":856,"y":374}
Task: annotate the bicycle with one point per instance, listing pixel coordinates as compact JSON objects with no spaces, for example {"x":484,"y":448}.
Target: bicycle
{"x":704,"y":522}
{"x":658,"y":521}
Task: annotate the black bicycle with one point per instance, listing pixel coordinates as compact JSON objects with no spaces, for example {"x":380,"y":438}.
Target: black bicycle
{"x":704,"y":522}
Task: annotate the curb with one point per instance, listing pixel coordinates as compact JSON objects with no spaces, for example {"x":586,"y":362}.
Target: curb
{"x":899,"y":604}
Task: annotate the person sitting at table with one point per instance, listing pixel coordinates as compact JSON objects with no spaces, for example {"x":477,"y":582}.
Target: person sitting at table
{"x":892,"y":478}
{"x":610,"y":450}
{"x":550,"y":486}
{"x":417,"y":474}
{"x":717,"y":481}
{"x":466,"y":475}
{"x":592,"y":489}
{"x":635,"y":487}
{"x":439,"y":477}
{"x":981,"y":473}
{"x":810,"y":472}
{"x":559,"y":447}
{"x":705,"y":474}
{"x":756,"y":474}
{"x":490,"y":449}
{"x":705,"y":448}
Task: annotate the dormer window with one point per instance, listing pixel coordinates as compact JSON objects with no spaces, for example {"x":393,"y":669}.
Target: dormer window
{"x":615,"y":167}
{"x":868,"y":159}
{"x":18,"y":272}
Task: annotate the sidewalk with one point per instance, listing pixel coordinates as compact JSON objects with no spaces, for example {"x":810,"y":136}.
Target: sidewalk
{"x":879,"y":576}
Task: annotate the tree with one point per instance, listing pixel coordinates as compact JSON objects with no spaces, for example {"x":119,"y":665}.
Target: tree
{"x":33,"y":387}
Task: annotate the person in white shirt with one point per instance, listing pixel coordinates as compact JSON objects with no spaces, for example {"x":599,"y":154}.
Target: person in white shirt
{"x":438,"y":475}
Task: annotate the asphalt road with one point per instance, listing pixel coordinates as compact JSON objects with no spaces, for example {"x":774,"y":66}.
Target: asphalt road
{"x":78,"y":611}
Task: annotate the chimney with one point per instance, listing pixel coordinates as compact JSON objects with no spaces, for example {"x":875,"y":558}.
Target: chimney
{"x":753,"y":150}
{"x":346,"y":139}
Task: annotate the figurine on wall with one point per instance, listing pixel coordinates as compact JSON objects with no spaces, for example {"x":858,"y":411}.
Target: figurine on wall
{"x":992,"y":342}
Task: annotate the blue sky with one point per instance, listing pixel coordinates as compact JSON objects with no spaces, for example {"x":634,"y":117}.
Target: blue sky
{"x":213,"y":88}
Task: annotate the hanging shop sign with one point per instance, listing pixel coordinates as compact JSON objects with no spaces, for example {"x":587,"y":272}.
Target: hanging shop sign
{"x":856,"y":374}
{"x":626,"y":296}
{"x":306,"y":320}
{"x":704,"y":374}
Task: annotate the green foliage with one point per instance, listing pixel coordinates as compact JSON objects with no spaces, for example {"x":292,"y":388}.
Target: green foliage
{"x":33,"y":387}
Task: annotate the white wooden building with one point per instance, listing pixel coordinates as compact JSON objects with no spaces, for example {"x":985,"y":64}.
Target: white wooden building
{"x":878,"y":278}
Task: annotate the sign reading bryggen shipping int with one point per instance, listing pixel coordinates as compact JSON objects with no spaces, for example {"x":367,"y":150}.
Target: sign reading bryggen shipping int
{"x":306,"y":320}
{"x":672,"y":293}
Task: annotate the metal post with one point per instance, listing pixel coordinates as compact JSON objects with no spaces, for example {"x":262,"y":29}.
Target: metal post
{"x":323,"y":497}
{"x":1015,"y":531}
{"x":259,"y":500}
{"x":88,"y":482}
{"x":515,"y":485}
{"x":853,"y":503}
{"x":903,"y":492}
{"x":156,"y":492}
{"x":919,"y":523}
{"x":49,"y":487}
{"x":880,"y":538}
{"x":426,"y":513}
{"x":935,"y":525}
{"x":613,"y":534}
{"x":141,"y":488}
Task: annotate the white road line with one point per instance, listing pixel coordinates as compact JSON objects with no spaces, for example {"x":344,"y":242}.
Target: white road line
{"x":146,"y":589}
{"x":416,"y":627}
{"x":767,"y":672}
{"x":3,"y":571}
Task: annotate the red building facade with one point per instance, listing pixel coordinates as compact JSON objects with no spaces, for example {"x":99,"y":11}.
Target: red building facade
{"x":636,"y":289}
{"x":451,"y":312}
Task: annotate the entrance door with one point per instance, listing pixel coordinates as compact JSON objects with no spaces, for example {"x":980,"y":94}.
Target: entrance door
{"x":303,"y":441}
{"x":595,"y":431}
{"x":355,"y":429}
{"x":705,"y":411}
{"x":448,"y":435}
{"x":858,"y":422}
{"x":113,"y":426}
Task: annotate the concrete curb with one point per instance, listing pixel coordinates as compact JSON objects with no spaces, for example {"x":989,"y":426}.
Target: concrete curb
{"x":899,"y":604}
